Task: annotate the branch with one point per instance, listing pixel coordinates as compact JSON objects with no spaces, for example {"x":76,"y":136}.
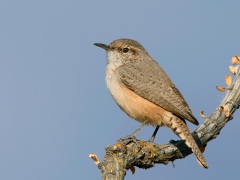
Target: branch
{"x":129,"y":152}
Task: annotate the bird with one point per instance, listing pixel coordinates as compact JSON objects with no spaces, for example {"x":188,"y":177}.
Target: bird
{"x":143,"y":90}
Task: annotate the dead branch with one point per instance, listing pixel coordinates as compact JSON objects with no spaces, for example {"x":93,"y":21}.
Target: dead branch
{"x":129,"y":152}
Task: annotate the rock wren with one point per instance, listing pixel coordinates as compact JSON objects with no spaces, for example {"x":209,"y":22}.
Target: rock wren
{"x":144,"y":91}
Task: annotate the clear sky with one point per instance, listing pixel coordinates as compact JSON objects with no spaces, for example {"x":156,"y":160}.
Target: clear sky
{"x":55,"y":108}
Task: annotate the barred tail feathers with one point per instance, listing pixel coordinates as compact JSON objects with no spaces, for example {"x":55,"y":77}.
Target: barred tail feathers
{"x":180,"y":128}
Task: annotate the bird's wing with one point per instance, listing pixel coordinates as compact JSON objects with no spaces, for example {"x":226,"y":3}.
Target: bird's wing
{"x":153,"y":84}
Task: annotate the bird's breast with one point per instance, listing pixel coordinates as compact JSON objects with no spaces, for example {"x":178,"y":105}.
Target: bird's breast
{"x":134,"y":105}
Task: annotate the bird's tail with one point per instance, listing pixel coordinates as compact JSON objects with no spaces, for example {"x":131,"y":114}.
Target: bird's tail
{"x":180,"y":128}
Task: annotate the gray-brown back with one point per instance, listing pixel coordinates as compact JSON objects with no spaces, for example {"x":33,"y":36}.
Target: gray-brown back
{"x":147,"y":79}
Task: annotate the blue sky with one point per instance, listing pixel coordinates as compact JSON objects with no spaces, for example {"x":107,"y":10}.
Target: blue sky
{"x":55,"y":108}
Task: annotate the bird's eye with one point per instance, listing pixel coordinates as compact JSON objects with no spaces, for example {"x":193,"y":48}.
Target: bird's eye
{"x":125,"y":50}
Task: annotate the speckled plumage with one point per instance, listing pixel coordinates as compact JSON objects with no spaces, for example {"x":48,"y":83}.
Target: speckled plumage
{"x":143,"y":90}
{"x":147,"y":79}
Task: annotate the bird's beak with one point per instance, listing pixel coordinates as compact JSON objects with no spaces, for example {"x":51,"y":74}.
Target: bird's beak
{"x":104,"y":46}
